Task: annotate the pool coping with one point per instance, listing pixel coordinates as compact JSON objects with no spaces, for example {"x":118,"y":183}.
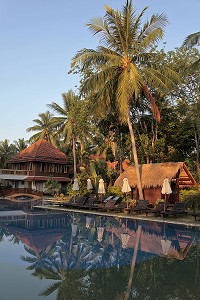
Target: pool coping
{"x":171,"y":220}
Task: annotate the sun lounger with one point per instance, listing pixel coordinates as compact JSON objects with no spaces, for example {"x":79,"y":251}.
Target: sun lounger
{"x":118,"y":207}
{"x":90,"y":203}
{"x":196,"y":215}
{"x":156,"y":210}
{"x":141,"y":206}
{"x":80,"y":201}
{"x":106,"y":199}
{"x":109,"y":204}
{"x":179,"y":208}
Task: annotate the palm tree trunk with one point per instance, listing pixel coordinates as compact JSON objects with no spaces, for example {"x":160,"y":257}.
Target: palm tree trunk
{"x":139,"y":184}
{"x":74,"y":154}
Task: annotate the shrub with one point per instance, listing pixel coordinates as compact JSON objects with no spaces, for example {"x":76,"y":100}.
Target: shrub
{"x":192,"y":197}
{"x":115,"y":190}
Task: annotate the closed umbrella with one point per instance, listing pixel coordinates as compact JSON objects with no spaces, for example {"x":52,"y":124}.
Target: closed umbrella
{"x":89,"y":184}
{"x":101,"y":188}
{"x":125,"y":237}
{"x":74,"y":229}
{"x":88,"y":222}
{"x":75,"y":185}
{"x":126,"y":188}
{"x":100,"y":231}
{"x":166,"y":189}
{"x":166,"y":244}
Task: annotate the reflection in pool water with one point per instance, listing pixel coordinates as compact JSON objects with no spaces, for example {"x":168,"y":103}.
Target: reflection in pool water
{"x":77,"y":256}
{"x":23,"y":197}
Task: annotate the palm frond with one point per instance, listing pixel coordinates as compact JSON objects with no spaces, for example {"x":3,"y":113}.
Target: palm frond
{"x":192,"y":40}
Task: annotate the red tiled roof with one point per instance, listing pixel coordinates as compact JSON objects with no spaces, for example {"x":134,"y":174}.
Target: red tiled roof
{"x":41,"y":151}
{"x":37,"y":240}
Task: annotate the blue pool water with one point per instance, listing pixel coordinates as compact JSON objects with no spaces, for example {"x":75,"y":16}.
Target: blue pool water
{"x":58,"y":256}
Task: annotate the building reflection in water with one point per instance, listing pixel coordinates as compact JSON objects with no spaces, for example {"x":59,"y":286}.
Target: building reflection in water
{"x":64,"y":241}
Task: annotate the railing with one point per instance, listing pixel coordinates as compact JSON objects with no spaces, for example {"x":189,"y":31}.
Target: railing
{"x":12,"y":191}
{"x":15,"y":172}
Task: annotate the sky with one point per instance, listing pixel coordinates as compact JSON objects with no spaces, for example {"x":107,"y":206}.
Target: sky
{"x":38,"y":39}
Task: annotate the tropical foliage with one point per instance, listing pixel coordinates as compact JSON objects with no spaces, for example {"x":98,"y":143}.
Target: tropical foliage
{"x":121,"y":83}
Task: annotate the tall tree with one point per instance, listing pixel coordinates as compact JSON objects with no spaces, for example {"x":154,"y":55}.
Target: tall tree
{"x":7,"y":151}
{"x":44,"y":127}
{"x":190,"y":41}
{"x":20,"y":144}
{"x":124,"y":66}
{"x":72,"y":120}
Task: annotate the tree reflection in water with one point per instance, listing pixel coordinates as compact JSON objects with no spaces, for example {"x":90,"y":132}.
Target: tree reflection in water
{"x":86,"y":266}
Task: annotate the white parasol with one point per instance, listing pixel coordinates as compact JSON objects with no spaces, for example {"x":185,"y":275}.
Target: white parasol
{"x":75,"y":185}
{"x":88,"y":222}
{"x":100,"y":231}
{"x":89,"y":184}
{"x":166,"y":189}
{"x":101,"y":188}
{"x":126,"y":188}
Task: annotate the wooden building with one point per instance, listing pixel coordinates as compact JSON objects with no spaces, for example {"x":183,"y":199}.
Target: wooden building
{"x":35,"y":165}
{"x":152,"y":177}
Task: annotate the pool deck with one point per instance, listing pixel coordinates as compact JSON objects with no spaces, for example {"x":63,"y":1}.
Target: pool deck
{"x":180,"y":220}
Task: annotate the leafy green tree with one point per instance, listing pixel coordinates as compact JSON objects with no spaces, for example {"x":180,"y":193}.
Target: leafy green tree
{"x":123,"y":67}
{"x":52,"y":186}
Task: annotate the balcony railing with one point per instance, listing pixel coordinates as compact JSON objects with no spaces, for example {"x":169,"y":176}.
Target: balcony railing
{"x":15,"y":172}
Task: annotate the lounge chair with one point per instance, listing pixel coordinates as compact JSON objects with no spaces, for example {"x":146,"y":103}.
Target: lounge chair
{"x":179,"y":208}
{"x":80,"y":201}
{"x":108,"y":198}
{"x":89,"y":203}
{"x":109,"y":204}
{"x":119,"y":207}
{"x":196,"y":215}
{"x":156,"y":210}
{"x":141,"y":206}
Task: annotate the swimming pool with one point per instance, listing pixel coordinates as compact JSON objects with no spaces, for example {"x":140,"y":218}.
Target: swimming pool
{"x":76,"y":256}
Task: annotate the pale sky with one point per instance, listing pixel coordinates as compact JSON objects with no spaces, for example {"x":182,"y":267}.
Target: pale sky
{"x":39,"y":38}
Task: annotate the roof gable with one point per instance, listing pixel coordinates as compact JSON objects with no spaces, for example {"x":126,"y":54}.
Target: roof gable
{"x":41,"y":151}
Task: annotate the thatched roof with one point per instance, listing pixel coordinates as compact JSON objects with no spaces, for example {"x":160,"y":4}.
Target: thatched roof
{"x":152,"y":175}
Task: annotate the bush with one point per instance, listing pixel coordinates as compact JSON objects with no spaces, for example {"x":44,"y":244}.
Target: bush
{"x":115,"y":190}
{"x":192,"y":197}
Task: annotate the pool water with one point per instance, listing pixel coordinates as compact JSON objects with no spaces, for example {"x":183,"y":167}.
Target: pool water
{"x":77,"y":256}
{"x":23,"y":197}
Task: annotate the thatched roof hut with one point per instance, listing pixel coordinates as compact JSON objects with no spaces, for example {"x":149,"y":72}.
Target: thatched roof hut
{"x":153,"y":175}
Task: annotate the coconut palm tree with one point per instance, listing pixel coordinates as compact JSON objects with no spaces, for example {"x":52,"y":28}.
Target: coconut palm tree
{"x":20,"y":144}
{"x":190,"y":41}
{"x":44,"y":127}
{"x":124,"y":66}
{"x":7,"y":151}
{"x":73,"y":122}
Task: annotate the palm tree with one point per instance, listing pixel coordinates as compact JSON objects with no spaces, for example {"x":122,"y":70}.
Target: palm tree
{"x":190,"y":41}
{"x":7,"y":151}
{"x":44,"y":127}
{"x":72,"y":122}
{"x":124,"y":66}
{"x":21,"y":144}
